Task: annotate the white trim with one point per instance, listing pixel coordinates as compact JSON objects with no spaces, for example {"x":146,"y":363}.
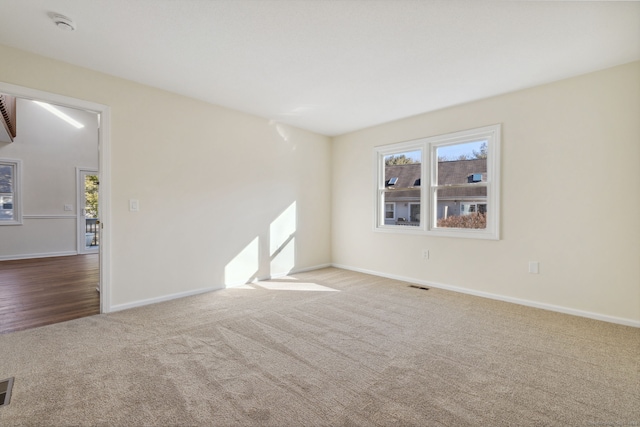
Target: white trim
{"x":38,"y":216}
{"x":519,"y":301}
{"x":104,"y":153}
{"x":141,"y":303}
{"x":40,"y":255}
{"x":104,"y":208}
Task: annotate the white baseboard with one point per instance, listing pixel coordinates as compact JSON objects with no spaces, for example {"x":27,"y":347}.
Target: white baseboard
{"x":528,"y":303}
{"x":140,"y":303}
{"x":143,"y":302}
{"x":42,"y":255}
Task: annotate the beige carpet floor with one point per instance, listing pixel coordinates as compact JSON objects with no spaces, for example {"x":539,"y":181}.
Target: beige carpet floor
{"x":325,"y":348}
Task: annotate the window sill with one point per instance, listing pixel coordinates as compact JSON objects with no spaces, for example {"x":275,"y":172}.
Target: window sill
{"x":455,"y":233}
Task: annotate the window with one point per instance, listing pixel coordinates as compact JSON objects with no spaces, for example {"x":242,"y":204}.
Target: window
{"x":462,"y":198}
{"x":414,"y":212}
{"x":470,"y":208}
{"x":399,"y":167}
{"x":389,"y":211}
{"x":9,"y":192}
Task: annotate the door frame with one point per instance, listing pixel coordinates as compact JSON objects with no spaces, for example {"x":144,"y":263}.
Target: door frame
{"x":104,"y":172}
{"x":80,"y":205}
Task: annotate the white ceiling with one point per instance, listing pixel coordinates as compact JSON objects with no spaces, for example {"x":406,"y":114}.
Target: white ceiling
{"x":331,"y":66}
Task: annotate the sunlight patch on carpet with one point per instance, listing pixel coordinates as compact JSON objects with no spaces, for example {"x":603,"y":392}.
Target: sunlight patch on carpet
{"x":295,"y":286}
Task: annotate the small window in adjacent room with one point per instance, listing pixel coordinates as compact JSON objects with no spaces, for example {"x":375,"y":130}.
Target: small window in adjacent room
{"x":10,"y":192}
{"x":462,"y":198}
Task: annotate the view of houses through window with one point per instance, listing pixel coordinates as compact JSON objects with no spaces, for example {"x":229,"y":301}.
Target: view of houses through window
{"x":461,"y":189}
{"x":461,"y":198}
{"x":402,"y":188}
{"x":460,"y":168}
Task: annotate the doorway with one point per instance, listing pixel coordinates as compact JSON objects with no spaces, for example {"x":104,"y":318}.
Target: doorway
{"x":87,"y":214}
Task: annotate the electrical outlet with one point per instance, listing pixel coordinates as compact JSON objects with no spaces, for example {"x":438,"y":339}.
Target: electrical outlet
{"x":534,"y":267}
{"x":425,"y":254}
{"x":68,"y":208}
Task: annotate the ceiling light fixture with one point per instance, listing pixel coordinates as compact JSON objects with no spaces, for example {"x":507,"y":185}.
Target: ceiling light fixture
{"x":62,"y":22}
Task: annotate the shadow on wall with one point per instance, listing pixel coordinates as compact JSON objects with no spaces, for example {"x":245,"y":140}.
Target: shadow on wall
{"x":245,"y":266}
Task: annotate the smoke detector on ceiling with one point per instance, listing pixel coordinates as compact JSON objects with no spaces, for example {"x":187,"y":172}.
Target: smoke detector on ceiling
{"x":62,"y":22}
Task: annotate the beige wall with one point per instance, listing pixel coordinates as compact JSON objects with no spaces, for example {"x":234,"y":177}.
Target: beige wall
{"x":570,"y":199}
{"x":221,"y":192}
{"x":212,"y":184}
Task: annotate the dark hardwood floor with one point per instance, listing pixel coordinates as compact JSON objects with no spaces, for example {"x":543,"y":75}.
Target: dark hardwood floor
{"x":42,"y":291}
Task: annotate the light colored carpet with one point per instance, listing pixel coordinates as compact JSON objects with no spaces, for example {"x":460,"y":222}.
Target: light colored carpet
{"x":351,"y":349}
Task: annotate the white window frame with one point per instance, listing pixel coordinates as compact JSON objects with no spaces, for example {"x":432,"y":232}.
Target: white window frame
{"x":380,"y":185}
{"x":428,"y":203}
{"x":17,"y":191}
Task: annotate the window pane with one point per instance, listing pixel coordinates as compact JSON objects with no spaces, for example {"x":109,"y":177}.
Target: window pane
{"x":402,"y":170}
{"x":463,"y":151}
{"x":464,"y":207}
{"x":6,"y":179}
{"x":462,"y":163}
{"x":6,"y":208}
{"x":462,"y":172}
{"x":402,"y":173}
{"x":389,"y":211}
{"x":405,"y":206}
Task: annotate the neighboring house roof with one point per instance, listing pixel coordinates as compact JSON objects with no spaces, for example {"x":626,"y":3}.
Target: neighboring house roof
{"x":458,"y":172}
{"x":407,"y":185}
{"x":450,"y":172}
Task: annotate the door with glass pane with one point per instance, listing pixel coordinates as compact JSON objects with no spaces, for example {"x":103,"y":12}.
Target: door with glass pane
{"x":88,"y":221}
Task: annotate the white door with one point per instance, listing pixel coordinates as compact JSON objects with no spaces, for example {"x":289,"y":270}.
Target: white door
{"x":88,"y":221}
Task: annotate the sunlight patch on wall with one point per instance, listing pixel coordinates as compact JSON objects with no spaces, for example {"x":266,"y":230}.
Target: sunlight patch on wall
{"x":285,"y":259}
{"x":244,"y":267}
{"x":282,"y":247}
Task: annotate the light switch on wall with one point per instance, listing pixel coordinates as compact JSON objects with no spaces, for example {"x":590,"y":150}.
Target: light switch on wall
{"x":134,"y":205}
